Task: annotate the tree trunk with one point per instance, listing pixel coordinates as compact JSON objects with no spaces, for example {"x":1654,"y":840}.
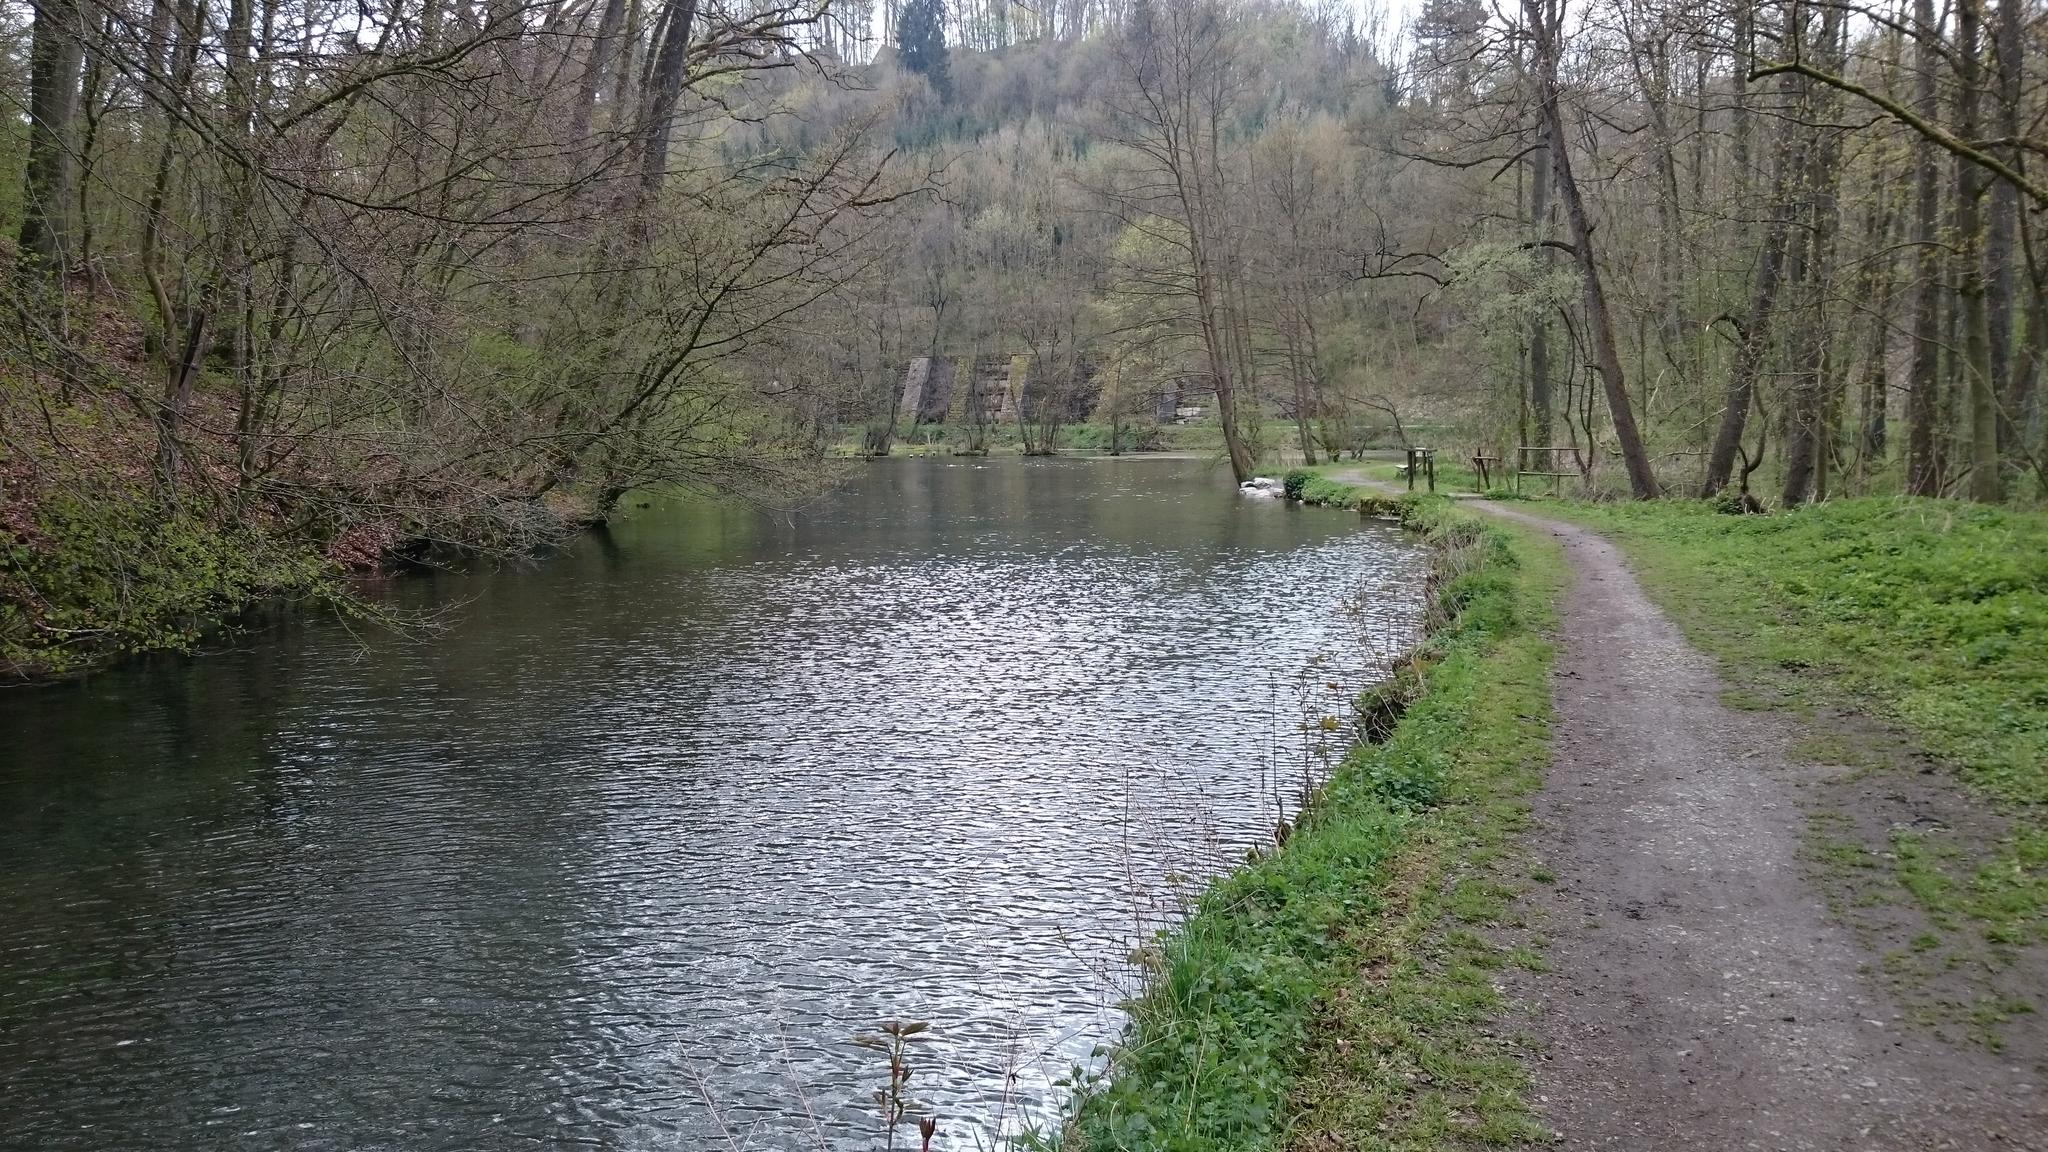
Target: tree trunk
{"x":1808,"y":413}
{"x":1301,"y":399}
{"x":1738,"y":113}
{"x":1654,"y":82}
{"x":625,"y":86}
{"x":664,"y":90}
{"x":1923,"y":470}
{"x":170,"y":418}
{"x":2012,"y":369}
{"x":1539,"y":323}
{"x":603,"y":53}
{"x":1642,"y":480}
{"x":2036,"y":353}
{"x":1871,"y":434}
{"x":55,"y":54}
{"x":1987,"y":484}
{"x":1756,"y":329}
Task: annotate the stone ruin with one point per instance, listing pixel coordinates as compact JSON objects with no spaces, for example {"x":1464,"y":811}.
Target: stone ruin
{"x":935,"y":391}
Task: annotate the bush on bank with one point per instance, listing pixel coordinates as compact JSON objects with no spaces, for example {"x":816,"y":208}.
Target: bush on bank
{"x":87,"y":576}
{"x":1317,"y":988}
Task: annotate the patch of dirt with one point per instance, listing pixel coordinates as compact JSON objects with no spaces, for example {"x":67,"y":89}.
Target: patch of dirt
{"x":1939,"y":964}
{"x":1701,"y":993}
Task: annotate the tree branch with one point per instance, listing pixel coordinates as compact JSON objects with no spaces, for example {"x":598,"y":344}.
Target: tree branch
{"x":1934,"y":133}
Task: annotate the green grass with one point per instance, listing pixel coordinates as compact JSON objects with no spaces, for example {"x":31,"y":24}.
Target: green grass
{"x":1332,"y":993}
{"x":1317,"y":486}
{"x":1931,"y":615}
{"x":1451,"y":475}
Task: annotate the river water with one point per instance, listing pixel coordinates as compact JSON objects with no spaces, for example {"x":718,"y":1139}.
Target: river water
{"x":627,"y":854}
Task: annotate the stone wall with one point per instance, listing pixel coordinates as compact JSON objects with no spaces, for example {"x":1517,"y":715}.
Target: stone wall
{"x":935,"y":390}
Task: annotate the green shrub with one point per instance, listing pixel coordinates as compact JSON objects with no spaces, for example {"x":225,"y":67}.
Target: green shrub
{"x":1294,"y":481}
{"x":120,"y":572}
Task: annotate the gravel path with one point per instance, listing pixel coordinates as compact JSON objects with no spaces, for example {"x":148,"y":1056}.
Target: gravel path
{"x":1701,"y":997}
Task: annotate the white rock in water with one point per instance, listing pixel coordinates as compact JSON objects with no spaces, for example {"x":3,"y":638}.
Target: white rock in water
{"x":1261,"y":486}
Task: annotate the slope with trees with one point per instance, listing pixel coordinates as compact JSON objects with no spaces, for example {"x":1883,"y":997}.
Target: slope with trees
{"x":325,"y":282}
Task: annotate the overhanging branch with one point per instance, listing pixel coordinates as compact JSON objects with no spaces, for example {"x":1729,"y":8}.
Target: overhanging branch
{"x":1934,"y":133}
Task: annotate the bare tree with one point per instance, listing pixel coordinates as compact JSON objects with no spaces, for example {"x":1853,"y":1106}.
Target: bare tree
{"x":1179,"y":74}
{"x":1543,"y":32}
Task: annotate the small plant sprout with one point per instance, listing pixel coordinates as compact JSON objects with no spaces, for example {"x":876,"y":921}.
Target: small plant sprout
{"x":893,"y":1040}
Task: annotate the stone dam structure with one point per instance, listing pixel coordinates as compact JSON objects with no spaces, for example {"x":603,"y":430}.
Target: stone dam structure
{"x":995,"y":388}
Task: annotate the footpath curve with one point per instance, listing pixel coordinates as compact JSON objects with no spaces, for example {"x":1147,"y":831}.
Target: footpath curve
{"x":1699,"y":994}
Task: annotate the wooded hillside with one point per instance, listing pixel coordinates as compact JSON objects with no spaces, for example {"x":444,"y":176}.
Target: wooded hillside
{"x":321,"y":282}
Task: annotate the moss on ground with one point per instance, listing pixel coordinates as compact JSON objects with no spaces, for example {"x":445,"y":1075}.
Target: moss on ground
{"x":1334,"y":993}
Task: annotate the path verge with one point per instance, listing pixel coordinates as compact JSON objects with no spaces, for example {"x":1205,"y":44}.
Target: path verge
{"x":1334,"y":991}
{"x":1701,"y":994}
{"x":1764,"y":829}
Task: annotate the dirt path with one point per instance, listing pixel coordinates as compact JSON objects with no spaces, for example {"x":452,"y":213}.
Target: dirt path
{"x":1700,"y":994}
{"x":1701,"y":997}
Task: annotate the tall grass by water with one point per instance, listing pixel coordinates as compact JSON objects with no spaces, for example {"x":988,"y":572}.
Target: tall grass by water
{"x":1328,"y":984}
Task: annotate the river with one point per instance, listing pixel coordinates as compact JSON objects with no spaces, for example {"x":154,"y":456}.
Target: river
{"x":627,"y":853}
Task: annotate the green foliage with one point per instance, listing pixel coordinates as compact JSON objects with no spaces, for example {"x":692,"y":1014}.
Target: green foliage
{"x":1129,"y":437}
{"x":117,"y":572}
{"x":1245,"y":1029}
{"x":1408,"y":781}
{"x":1295,"y":481}
{"x":1731,"y":502}
{"x":921,"y":43}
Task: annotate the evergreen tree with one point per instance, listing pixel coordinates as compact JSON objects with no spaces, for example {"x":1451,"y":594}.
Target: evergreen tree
{"x":921,"y":42}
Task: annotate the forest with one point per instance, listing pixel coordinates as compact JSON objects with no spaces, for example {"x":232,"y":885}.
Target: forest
{"x":302,"y":286}
{"x":479,"y":663}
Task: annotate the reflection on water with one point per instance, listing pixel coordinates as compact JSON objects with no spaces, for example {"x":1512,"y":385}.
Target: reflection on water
{"x":626,"y":857}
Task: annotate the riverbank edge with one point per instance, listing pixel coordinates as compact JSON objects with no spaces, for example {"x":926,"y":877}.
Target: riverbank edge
{"x":133,"y":580}
{"x":1313,"y":487}
{"x":1336,"y":990}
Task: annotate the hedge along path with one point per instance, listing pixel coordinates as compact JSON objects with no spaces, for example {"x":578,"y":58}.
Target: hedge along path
{"x":1699,"y":994}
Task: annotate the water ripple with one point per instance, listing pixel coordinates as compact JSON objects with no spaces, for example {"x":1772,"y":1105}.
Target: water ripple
{"x":627,"y":857}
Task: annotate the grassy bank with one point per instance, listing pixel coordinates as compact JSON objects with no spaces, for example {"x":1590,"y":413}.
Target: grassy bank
{"x":1451,"y":475}
{"x":1332,"y":992}
{"x":1930,"y":615}
{"x":1316,"y":486}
